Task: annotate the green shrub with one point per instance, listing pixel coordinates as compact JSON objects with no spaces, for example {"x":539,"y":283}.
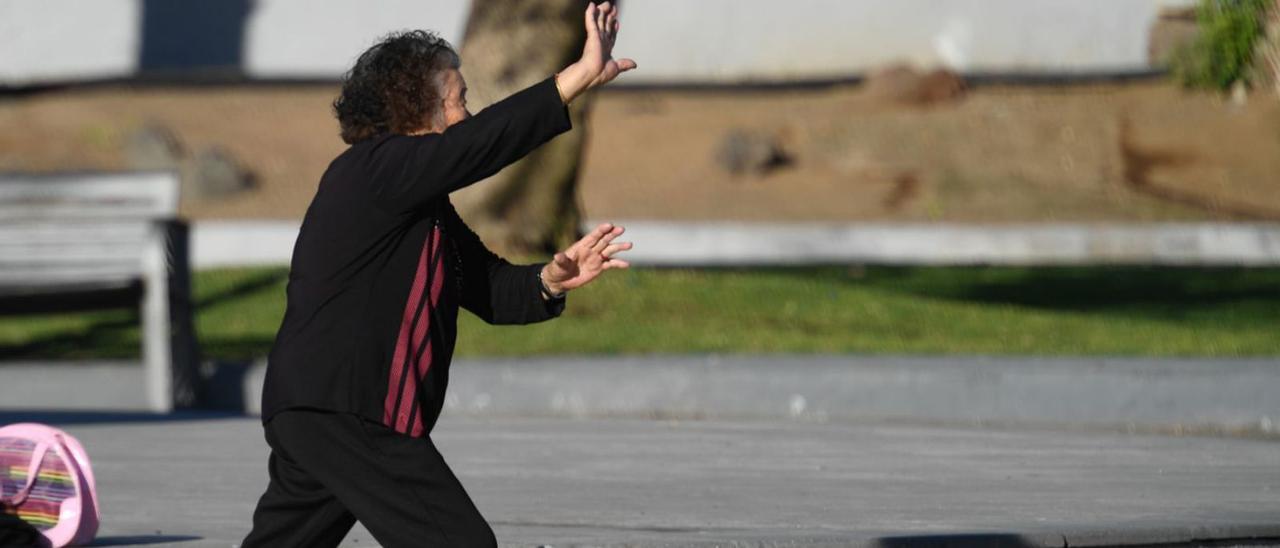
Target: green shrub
{"x":1229,"y":30}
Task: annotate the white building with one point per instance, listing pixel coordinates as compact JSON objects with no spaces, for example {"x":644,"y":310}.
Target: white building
{"x":684,"y":41}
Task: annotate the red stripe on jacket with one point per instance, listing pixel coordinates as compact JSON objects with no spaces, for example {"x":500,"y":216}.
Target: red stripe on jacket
{"x":409,"y":344}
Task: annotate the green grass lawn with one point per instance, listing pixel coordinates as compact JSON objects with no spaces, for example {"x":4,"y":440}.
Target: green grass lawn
{"x":1023,"y":311}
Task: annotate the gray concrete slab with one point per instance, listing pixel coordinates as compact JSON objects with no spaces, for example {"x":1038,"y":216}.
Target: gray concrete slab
{"x":1217,"y":395}
{"x":681,"y":244}
{"x":119,"y":385}
{"x":192,"y":480}
{"x":1232,"y":396}
{"x":670,"y":243}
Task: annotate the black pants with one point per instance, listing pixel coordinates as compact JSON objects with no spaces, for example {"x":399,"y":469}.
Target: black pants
{"x":330,"y":469}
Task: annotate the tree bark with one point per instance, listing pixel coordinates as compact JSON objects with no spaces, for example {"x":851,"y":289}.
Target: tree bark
{"x":1267,"y":54}
{"x":531,"y":206}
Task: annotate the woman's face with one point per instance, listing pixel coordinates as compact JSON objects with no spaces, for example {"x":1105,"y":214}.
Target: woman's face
{"x":453,"y":107}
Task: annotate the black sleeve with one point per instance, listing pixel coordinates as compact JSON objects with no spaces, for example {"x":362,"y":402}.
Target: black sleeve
{"x":408,"y":171}
{"x":492,"y":288}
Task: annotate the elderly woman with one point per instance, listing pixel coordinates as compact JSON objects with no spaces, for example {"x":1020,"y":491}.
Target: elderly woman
{"x":357,"y":375}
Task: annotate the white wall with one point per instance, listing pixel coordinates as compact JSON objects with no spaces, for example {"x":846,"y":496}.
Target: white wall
{"x":45,"y":41}
{"x":59,"y":40}
{"x":310,"y":38}
{"x":733,"y":39}
{"x":50,"y":41}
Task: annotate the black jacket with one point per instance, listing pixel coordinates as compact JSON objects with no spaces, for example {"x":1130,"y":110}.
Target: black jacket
{"x":355,"y":333}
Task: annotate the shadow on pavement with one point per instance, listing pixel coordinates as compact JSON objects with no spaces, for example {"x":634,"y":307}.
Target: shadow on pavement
{"x":63,"y":418}
{"x":110,"y":319}
{"x":1149,"y":292}
{"x":993,"y":540}
{"x":15,"y":532}
{"x":138,"y":540}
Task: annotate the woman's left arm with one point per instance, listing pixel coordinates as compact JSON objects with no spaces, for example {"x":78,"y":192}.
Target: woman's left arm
{"x":493,"y":289}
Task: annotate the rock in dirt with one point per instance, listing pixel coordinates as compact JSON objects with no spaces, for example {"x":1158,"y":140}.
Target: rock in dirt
{"x":754,"y":152}
{"x":904,"y":85}
{"x":213,"y":173}
{"x":152,"y":147}
{"x":207,"y":174}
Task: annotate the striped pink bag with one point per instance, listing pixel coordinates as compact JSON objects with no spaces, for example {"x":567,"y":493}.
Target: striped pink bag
{"x":46,"y":481}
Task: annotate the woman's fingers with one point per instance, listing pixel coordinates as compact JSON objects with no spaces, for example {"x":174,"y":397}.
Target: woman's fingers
{"x":599,"y":245}
{"x":592,"y":238}
{"x":593,"y":30}
{"x":603,"y":25}
{"x":611,"y":25}
{"x":602,"y":17}
{"x":582,"y":248}
{"x":592,"y":254}
{"x":611,"y":249}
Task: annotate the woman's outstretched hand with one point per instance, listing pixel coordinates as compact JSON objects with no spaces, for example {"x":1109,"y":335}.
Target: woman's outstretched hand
{"x":597,"y":66}
{"x":585,"y":259}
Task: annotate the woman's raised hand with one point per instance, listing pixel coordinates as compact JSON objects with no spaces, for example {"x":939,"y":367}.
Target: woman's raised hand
{"x":583,"y":261}
{"x":597,"y":65}
{"x":602,"y":33}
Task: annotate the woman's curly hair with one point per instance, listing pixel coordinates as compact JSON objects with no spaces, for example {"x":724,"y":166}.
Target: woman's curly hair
{"x":394,"y":86}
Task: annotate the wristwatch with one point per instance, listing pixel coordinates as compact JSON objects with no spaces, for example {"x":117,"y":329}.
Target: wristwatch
{"x":542,"y":285}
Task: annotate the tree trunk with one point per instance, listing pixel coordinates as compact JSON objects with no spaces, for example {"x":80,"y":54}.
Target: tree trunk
{"x":531,"y":206}
{"x":1267,"y":54}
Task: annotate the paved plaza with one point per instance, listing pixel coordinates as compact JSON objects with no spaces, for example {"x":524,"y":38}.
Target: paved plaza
{"x":192,"y":480}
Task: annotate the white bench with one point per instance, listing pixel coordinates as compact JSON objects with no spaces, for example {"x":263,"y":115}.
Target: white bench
{"x":76,"y":241}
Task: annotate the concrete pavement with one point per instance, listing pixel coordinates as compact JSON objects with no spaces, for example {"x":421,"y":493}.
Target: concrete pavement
{"x":192,"y":480}
{"x":747,"y":450}
{"x":1235,"y":396}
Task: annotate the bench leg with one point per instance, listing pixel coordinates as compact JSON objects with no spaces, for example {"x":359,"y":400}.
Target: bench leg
{"x":155,"y":328}
{"x":184,"y":347}
{"x":170,"y":351}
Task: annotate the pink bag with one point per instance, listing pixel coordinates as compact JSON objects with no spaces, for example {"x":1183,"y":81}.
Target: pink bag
{"x":46,"y":481}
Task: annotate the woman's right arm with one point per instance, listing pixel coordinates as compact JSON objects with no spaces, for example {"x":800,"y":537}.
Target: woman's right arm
{"x":409,"y":171}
